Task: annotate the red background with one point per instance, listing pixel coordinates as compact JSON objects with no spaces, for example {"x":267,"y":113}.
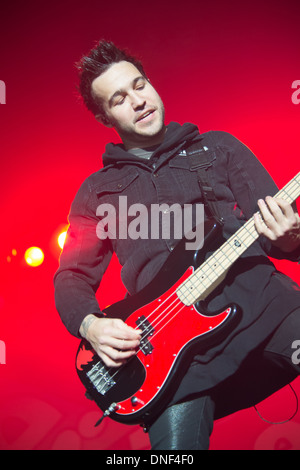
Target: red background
{"x":222,"y":65}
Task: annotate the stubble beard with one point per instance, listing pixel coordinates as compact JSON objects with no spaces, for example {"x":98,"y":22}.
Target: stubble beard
{"x":146,"y":136}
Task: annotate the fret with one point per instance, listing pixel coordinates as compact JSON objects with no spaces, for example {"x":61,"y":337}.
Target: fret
{"x":212,"y":271}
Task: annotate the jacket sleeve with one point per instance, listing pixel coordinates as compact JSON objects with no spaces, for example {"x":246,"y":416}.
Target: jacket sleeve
{"x":249,"y":182}
{"x":82,"y":264}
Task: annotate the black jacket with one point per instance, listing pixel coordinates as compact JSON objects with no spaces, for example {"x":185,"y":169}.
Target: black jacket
{"x":238,"y":179}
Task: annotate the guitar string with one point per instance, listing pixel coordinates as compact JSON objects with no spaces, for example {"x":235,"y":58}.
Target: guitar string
{"x":166,"y":312}
{"x":108,"y":371}
{"x":245,"y":240}
{"x":165,"y":317}
{"x":193,"y":275}
{"x":107,"y":375}
{"x":232,"y":238}
{"x":146,"y":333}
{"x":213,"y":260}
{"x":216,"y":261}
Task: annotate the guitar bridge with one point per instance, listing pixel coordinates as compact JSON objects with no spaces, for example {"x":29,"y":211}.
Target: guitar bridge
{"x":100,"y":378}
{"x":148,"y":330}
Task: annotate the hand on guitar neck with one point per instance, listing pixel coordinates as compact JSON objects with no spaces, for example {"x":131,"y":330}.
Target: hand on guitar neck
{"x":113,"y":340}
{"x":280,"y":224}
{"x":166,"y":325}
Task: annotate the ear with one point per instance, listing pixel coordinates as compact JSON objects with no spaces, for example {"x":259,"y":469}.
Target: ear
{"x":103,"y":120}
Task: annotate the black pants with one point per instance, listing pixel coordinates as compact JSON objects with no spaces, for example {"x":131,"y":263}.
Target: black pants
{"x":188,"y":425}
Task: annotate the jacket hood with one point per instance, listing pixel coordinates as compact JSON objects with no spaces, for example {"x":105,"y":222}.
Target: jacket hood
{"x":176,"y":134}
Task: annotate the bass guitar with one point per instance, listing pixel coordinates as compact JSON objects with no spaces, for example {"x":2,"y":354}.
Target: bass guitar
{"x":171,"y":313}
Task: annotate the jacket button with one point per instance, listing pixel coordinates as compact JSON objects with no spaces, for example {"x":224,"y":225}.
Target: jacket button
{"x":120,"y":186}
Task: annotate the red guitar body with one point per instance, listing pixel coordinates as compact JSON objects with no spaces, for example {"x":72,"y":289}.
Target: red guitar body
{"x":172,"y":334}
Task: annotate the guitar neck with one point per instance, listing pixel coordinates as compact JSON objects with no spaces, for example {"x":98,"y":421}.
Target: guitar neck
{"x":209,"y":274}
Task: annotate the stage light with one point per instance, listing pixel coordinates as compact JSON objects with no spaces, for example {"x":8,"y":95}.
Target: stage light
{"x":61,"y":239}
{"x":14,"y":253}
{"x":34,"y":256}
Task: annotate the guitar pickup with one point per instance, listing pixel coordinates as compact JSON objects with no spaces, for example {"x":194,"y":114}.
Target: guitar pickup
{"x":148,"y":330}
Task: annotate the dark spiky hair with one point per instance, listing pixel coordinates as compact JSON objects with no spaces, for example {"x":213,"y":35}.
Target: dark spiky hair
{"x":96,"y":62}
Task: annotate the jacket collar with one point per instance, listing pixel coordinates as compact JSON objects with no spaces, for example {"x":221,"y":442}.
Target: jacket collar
{"x":176,"y":134}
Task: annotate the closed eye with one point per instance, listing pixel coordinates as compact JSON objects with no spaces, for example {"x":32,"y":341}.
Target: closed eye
{"x":140,"y":87}
{"x":119,"y":101}
{"x":118,"y":97}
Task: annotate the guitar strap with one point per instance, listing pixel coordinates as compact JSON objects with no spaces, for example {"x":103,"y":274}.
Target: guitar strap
{"x":200,"y":159}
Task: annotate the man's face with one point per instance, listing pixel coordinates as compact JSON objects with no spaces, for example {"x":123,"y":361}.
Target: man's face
{"x":131,"y":104}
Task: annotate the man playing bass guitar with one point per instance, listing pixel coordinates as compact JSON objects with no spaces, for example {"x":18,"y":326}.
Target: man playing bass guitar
{"x":159,"y":164}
